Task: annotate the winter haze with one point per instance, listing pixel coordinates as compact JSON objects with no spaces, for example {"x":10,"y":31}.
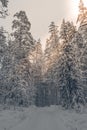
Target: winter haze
{"x":41,"y":13}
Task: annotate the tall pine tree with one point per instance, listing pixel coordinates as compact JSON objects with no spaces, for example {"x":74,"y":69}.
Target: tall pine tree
{"x":21,"y":89}
{"x":82,"y":17}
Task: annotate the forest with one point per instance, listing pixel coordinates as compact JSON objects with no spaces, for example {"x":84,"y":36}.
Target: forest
{"x":55,"y":76}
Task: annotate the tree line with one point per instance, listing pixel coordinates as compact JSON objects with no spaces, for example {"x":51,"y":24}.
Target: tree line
{"x":57,"y":76}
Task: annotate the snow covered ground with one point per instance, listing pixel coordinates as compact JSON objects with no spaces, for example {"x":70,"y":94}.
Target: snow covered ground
{"x":48,"y":118}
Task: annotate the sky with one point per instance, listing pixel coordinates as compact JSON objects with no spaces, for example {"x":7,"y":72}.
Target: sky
{"x":41,"y":12}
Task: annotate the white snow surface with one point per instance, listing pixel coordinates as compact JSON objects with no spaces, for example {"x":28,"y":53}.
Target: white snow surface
{"x":47,"y":118}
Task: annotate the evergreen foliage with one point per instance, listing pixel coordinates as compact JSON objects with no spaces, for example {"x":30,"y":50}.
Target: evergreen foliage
{"x":56,"y":77}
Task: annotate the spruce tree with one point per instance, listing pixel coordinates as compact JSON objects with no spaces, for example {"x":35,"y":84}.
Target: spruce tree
{"x":82,"y":17}
{"x":50,"y":57}
{"x":21,"y":90}
{"x":37,"y":64}
{"x":67,"y":31}
{"x":3,"y":9}
{"x":69,"y":80}
{"x":3,"y":49}
{"x":71,"y":91}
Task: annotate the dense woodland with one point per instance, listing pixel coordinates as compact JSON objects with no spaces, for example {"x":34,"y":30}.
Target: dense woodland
{"x":57,"y":76}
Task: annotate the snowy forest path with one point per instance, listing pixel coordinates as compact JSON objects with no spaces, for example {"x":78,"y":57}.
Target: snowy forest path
{"x":43,"y":120}
{"x":47,"y":118}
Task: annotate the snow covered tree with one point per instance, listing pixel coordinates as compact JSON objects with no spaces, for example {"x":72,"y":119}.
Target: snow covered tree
{"x":3,"y":49}
{"x":67,"y":31}
{"x":51,"y":51}
{"x":66,"y":69}
{"x":83,"y":57}
{"x":21,"y":89}
{"x":50,"y":57}
{"x":51,"y":45}
{"x":82,"y":17}
{"x":38,"y":55}
{"x":21,"y":34}
{"x":3,"y":8}
{"x":53,"y":30}
{"x":69,"y":76}
{"x":4,"y":3}
{"x":36,"y":58}
{"x":2,"y":44}
{"x":71,"y":91}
